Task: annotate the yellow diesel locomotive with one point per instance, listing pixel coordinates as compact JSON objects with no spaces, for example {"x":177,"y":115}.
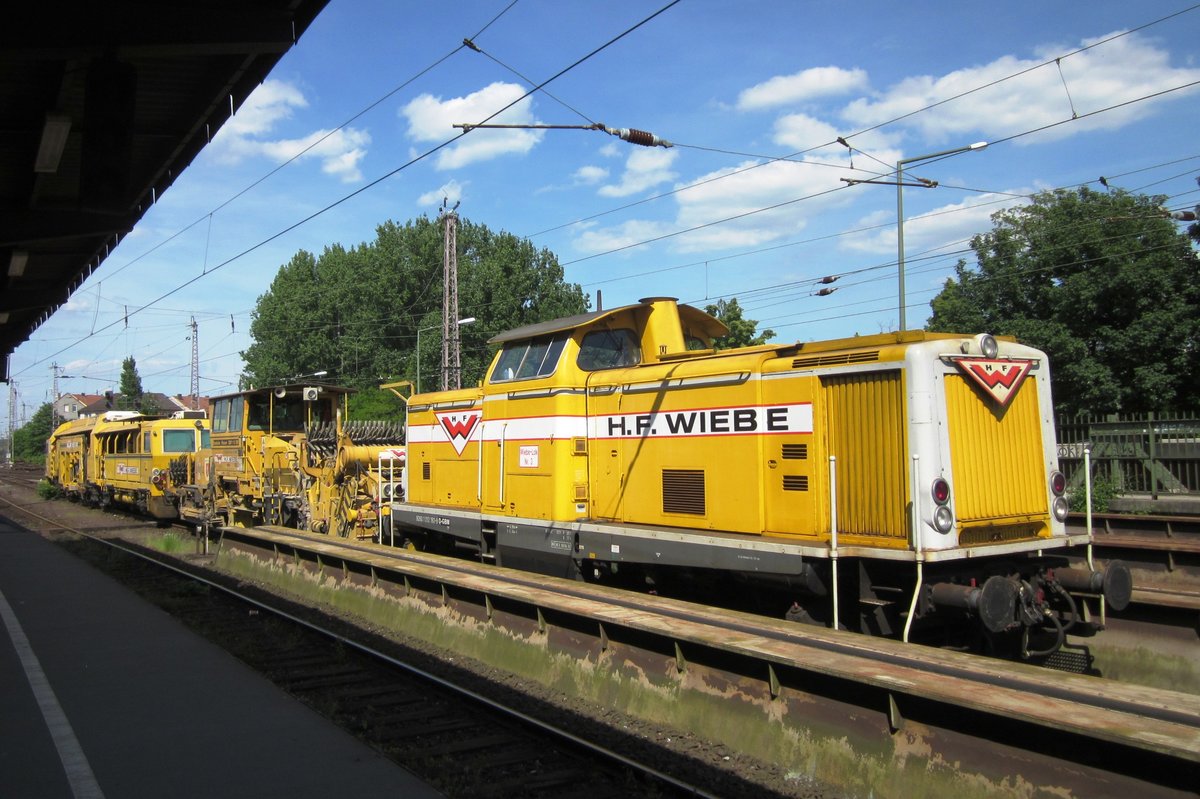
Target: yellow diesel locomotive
{"x":125,"y":458}
{"x":895,"y":483}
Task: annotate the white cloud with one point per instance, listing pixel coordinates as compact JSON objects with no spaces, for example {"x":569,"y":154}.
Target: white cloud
{"x":740,"y":191}
{"x":947,"y":227}
{"x":449,"y":192}
{"x":271,"y":102}
{"x":801,"y":86}
{"x":644,"y":169}
{"x":800,"y":132}
{"x":432,"y":119}
{"x":340,"y":151}
{"x":594,"y":240}
{"x":243,"y":136}
{"x":1121,"y":70}
{"x":588,"y":175}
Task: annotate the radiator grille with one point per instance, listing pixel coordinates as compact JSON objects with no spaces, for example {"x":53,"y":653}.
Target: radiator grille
{"x":795,"y":452}
{"x":683,"y":491}
{"x":974,"y":536}
{"x":836,"y":359}
{"x":867,"y":429}
{"x":425,"y":470}
{"x":795,"y":482}
{"x":997,"y":454}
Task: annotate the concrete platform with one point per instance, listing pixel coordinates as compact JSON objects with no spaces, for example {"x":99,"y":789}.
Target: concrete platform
{"x":104,"y":695}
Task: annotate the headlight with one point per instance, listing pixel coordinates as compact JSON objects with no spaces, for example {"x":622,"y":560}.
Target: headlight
{"x":1061,"y":508}
{"x":943,"y":519}
{"x":987,"y":345}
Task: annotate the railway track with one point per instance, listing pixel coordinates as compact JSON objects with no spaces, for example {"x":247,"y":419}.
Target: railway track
{"x":1071,"y":730}
{"x":934,"y":690}
{"x":446,"y":725}
{"x":1163,"y":551}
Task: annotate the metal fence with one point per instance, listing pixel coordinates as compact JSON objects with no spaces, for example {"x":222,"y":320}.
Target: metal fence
{"x":1149,"y":454}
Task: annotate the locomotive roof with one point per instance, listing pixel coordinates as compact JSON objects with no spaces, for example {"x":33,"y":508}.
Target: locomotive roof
{"x":288,"y":387}
{"x":688,"y":315}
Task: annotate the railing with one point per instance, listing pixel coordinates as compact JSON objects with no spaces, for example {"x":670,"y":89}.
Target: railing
{"x":1152,"y":453}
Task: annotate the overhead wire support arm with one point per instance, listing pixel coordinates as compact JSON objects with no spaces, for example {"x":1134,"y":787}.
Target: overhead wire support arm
{"x":923,"y":183}
{"x":631,"y":135}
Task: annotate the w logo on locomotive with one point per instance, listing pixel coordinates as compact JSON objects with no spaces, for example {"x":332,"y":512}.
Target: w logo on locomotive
{"x":1000,"y":379}
{"x":458,"y":426}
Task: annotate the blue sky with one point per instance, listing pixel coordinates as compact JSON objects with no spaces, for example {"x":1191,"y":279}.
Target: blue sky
{"x":736,"y":86}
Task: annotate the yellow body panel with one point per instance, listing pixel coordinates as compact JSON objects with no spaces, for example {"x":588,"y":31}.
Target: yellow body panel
{"x":67,"y":455}
{"x":865,"y":420}
{"x":997,"y":458}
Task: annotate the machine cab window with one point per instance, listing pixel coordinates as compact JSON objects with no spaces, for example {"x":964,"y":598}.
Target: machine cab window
{"x":282,"y":415}
{"x":524,"y":360}
{"x":227,"y":415}
{"x":179,"y":441}
{"x":609,"y":349}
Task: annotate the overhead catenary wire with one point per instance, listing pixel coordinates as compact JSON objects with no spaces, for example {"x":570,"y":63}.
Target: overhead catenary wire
{"x":916,"y":258}
{"x":414,"y":160}
{"x":311,"y":146}
{"x":964,"y":188}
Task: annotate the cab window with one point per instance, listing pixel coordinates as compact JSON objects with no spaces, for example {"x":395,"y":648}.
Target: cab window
{"x":259,"y":417}
{"x":288,"y":415}
{"x":179,"y":441}
{"x":235,"y":415}
{"x":524,"y":360}
{"x":609,"y":349}
{"x":220,"y":416}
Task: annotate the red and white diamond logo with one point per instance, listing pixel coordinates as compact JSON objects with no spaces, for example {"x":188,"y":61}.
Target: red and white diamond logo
{"x":1000,"y":379}
{"x":458,"y":426}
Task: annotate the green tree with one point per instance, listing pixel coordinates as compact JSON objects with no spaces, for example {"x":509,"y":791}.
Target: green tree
{"x":1104,"y":283}
{"x":356,"y":313}
{"x":131,"y":396}
{"x":29,"y":441}
{"x":375,"y":404}
{"x":742,"y":331}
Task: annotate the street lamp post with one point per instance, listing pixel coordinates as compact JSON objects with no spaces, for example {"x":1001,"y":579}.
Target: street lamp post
{"x":467,"y":321}
{"x":979,"y":145}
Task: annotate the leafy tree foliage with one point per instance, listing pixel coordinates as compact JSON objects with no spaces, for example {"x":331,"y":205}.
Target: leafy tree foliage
{"x":29,"y":441}
{"x":356,"y":313}
{"x":1104,"y":283}
{"x":131,"y":396}
{"x":742,"y":331}
{"x":371,"y":404}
